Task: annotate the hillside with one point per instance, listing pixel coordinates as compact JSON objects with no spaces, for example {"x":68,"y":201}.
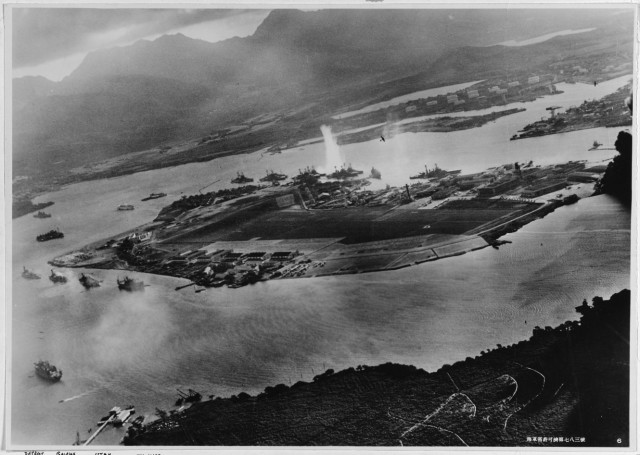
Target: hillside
{"x":571,"y":381}
{"x":150,"y":93}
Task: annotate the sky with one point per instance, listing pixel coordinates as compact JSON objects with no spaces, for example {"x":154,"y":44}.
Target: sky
{"x":52,"y":42}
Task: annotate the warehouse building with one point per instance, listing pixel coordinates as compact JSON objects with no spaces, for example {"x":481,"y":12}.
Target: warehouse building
{"x":543,"y":187}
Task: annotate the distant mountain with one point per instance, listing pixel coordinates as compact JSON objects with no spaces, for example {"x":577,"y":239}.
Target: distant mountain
{"x":326,"y":46}
{"x":128,"y":98}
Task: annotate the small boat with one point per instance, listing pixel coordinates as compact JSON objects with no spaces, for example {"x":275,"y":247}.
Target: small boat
{"x":595,"y":145}
{"x":125,"y":207}
{"x":129,"y":284}
{"x":42,"y":214}
{"x":153,"y":196}
{"x":89,"y":281}
{"x":57,"y":277}
{"x":375,"y":174}
{"x":29,"y":275}
{"x":47,"y":371}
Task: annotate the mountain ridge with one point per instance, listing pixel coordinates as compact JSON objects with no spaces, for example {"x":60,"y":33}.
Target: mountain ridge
{"x":294,"y":58}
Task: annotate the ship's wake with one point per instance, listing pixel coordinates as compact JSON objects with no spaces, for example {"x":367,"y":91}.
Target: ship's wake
{"x":75,"y":397}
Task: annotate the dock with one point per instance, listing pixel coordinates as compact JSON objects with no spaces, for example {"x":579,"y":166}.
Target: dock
{"x":114,"y":415}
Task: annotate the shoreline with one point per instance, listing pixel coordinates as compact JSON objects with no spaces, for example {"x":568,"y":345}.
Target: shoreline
{"x":502,"y":397}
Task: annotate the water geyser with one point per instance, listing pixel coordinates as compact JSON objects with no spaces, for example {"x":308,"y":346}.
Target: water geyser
{"x":332,"y":151}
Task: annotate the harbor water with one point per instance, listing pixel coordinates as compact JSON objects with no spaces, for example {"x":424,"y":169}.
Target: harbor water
{"x":119,"y":348}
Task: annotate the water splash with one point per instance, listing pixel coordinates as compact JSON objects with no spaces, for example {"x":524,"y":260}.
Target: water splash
{"x":334,"y":158}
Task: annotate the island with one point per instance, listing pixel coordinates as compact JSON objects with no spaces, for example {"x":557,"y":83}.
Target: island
{"x":315,"y":225}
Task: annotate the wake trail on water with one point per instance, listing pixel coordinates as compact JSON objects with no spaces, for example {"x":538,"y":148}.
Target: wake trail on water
{"x":75,"y":397}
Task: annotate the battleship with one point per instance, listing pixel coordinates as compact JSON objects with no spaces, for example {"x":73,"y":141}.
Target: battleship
{"x":435,"y":173}
{"x":29,"y":275}
{"x":47,"y":371}
{"x":57,"y":277}
{"x":129,"y":284}
{"x":51,"y":235}
{"x":307,"y":176}
{"x":273,"y":177}
{"x":240,"y":178}
{"x":344,"y":173}
{"x":88,"y":281}
{"x":152,"y":196}
{"x":42,"y":214}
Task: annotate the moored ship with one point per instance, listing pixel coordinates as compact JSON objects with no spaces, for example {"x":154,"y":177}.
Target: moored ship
{"x":344,"y":173}
{"x":29,"y":275}
{"x":129,"y":284}
{"x":435,"y":173}
{"x":152,"y":196}
{"x":273,"y":177}
{"x":57,"y":277}
{"x":241,"y":178}
{"x":42,"y":214}
{"x":51,"y":235}
{"x":88,"y":281}
{"x":308,"y":176}
{"x":47,"y":371}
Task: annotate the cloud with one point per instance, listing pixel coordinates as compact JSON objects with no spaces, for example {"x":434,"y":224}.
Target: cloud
{"x":45,"y":34}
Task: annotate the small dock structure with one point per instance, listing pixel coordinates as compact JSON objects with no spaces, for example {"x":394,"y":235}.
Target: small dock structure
{"x":116,"y":417}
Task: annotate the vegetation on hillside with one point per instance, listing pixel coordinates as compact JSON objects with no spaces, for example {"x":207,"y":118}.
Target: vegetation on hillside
{"x":567,"y":386}
{"x":616,"y":181}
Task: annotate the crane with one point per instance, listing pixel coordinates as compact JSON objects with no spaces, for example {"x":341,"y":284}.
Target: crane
{"x":553,"y":110}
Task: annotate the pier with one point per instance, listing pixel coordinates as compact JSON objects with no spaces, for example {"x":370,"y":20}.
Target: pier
{"x":115,"y":415}
{"x":99,"y":430}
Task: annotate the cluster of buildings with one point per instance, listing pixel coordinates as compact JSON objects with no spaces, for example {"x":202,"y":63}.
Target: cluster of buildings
{"x":484,"y":94}
{"x":593,"y":68}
